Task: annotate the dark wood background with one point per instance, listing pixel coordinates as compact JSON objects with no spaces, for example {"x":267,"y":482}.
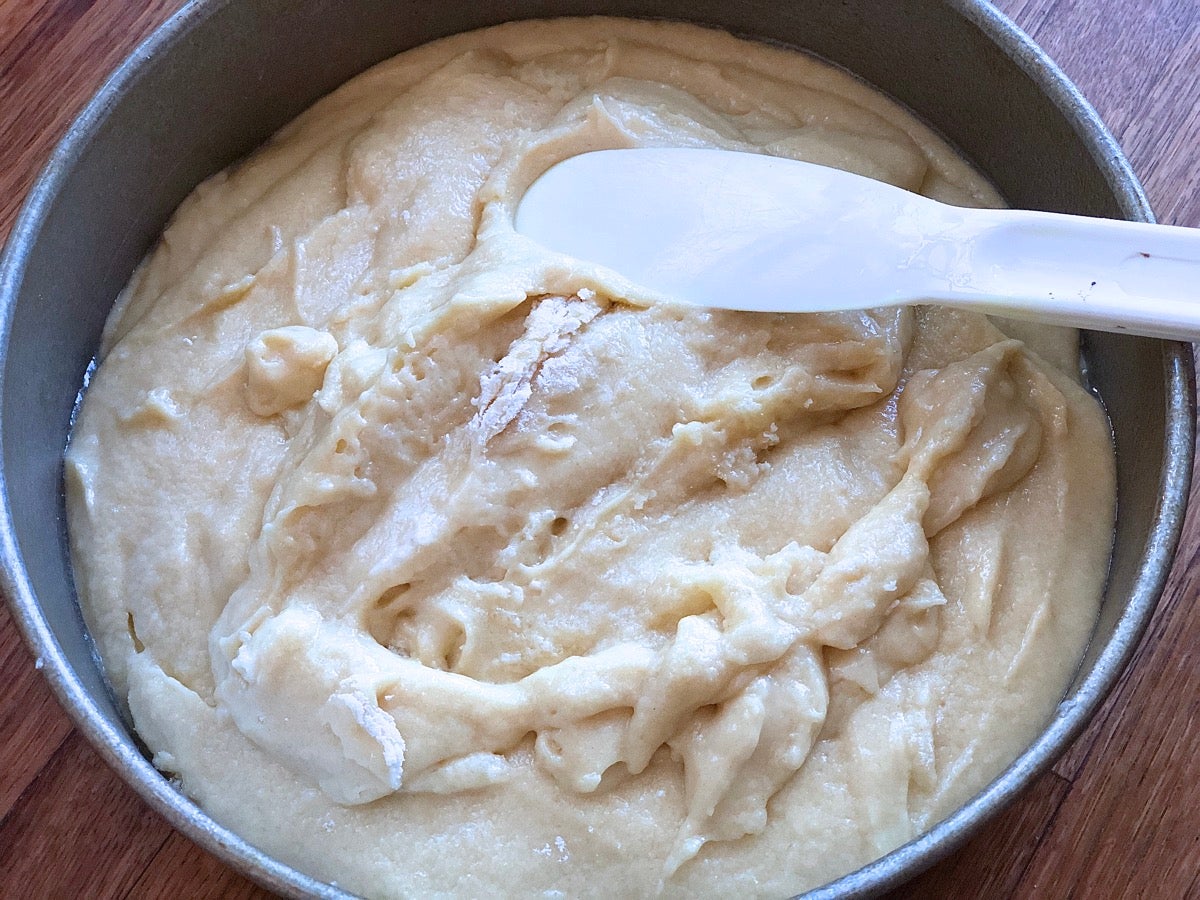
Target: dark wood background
{"x":1119,"y":816}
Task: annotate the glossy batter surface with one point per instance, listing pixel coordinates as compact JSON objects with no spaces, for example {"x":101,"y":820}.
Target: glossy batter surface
{"x":437,"y":564}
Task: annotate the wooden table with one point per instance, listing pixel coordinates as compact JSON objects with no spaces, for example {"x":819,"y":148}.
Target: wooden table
{"x":1119,"y":816}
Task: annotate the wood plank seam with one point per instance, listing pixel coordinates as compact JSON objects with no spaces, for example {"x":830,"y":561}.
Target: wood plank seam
{"x":32,"y":784}
{"x":31,"y":788}
{"x":1047,"y":826}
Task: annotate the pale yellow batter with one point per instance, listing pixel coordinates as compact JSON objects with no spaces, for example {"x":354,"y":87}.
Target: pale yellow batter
{"x":437,"y":564}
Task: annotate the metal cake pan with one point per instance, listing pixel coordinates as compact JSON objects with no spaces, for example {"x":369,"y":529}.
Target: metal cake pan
{"x":222,"y":75}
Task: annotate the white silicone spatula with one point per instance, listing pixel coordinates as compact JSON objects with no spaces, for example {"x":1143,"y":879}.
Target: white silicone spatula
{"x":743,"y":231}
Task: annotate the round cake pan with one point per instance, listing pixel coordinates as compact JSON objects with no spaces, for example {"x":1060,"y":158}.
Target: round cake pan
{"x":222,"y":75}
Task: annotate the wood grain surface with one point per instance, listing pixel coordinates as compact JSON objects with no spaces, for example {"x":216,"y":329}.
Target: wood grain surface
{"x":1119,"y":816}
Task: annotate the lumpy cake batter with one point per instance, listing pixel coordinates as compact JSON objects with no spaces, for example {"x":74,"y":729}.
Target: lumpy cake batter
{"x":437,"y":564}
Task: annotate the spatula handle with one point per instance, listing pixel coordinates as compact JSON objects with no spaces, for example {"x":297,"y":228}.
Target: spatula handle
{"x":1071,"y":270}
